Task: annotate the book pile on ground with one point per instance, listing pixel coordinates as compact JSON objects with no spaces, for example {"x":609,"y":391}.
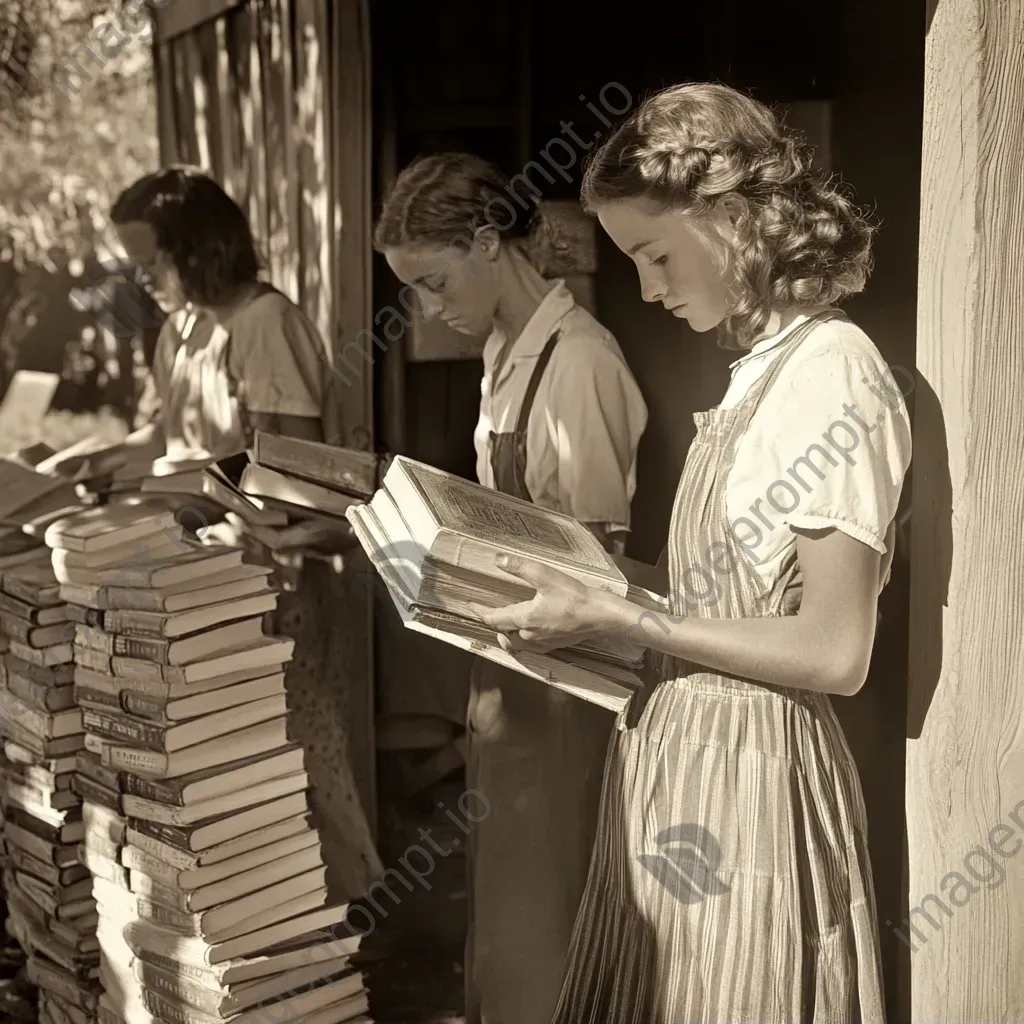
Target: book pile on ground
{"x":49,"y":893}
{"x":434,"y":539}
{"x":207,"y":873}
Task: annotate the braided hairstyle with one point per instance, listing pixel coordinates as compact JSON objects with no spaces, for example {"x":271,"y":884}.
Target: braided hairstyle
{"x":800,"y":241}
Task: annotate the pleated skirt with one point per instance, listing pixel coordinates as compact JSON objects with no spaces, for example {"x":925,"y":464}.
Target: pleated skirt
{"x":730,"y":880}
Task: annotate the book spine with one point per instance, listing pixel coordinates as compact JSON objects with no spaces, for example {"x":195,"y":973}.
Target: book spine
{"x":178,"y":968}
{"x":95,"y":793}
{"x":45,"y":675}
{"x":166,"y":895}
{"x":174,"y":988}
{"x":15,"y":628}
{"x":131,"y":759}
{"x":39,"y":723}
{"x":46,"y":901}
{"x":133,"y":599}
{"x":179,"y":838}
{"x":22,"y":860}
{"x":22,"y":609}
{"x":88,"y":616}
{"x":166,"y":791}
{"x":137,"y":859}
{"x":32,"y":844}
{"x":143,"y":671}
{"x":91,"y":766}
{"x":164,"y":1010}
{"x":82,"y":595}
{"x":54,"y":981}
{"x":138,"y":647}
{"x":135,"y":625}
{"x":115,"y":727}
{"x":92,"y":698}
{"x":146,"y":706}
{"x":96,"y":660}
{"x":43,"y":696}
{"x":181,"y":859}
{"x":24,"y":738}
{"x":40,"y":595}
{"x":187,"y":924}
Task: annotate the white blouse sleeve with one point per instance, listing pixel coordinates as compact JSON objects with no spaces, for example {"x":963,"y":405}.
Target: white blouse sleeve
{"x":834,"y":446}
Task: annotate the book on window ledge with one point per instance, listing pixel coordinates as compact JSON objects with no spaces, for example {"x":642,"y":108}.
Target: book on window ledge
{"x":433,"y":538}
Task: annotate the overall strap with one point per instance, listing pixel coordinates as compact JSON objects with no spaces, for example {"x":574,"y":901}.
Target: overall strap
{"x":530,"y":394}
{"x":790,"y":346}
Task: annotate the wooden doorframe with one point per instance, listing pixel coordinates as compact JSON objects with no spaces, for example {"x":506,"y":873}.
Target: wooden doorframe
{"x":965,"y":756}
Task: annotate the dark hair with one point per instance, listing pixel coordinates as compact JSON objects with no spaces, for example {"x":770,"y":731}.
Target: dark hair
{"x":200,"y":227}
{"x":801,"y":241}
{"x":443,"y":199}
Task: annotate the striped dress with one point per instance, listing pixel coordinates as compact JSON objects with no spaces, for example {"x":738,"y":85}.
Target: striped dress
{"x":730,"y":881}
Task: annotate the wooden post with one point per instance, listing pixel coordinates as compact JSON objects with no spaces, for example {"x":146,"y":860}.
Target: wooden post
{"x":965,"y":757}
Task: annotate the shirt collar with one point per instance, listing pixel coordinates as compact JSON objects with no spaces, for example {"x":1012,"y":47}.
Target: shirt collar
{"x":766,"y":345}
{"x":552,"y":310}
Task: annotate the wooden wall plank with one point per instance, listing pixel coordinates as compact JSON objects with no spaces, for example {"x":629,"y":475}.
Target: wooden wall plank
{"x":965,"y":756}
{"x":281,"y":242}
{"x":198,"y":100}
{"x":351,"y":206}
{"x":311,"y":156}
{"x":184,"y":106}
{"x":349,"y":160}
{"x":166,"y":114}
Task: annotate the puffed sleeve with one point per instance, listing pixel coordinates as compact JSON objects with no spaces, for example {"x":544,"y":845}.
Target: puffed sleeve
{"x":595,"y":418}
{"x":845,"y":446}
{"x":278,"y":354}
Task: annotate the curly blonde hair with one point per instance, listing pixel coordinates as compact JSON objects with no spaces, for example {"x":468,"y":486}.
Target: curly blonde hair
{"x":800,"y":240}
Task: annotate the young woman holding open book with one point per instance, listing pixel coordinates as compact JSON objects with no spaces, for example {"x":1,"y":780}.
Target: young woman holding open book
{"x":237,"y":355}
{"x":560,"y":420}
{"x":730,"y":879}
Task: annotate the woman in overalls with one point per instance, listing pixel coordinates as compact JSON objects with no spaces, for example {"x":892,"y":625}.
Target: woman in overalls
{"x":730,"y":881}
{"x":234,"y":356}
{"x":560,"y":420}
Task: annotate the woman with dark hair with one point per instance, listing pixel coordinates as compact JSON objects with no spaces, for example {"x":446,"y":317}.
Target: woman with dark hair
{"x":730,"y":879}
{"x":560,"y":420}
{"x":237,"y":355}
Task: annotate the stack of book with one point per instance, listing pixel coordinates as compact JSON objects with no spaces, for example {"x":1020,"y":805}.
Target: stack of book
{"x":207,"y":872}
{"x":50,"y":906}
{"x":434,"y":539}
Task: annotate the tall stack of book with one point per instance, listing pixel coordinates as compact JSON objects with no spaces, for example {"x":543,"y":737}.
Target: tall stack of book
{"x":49,"y":893}
{"x":207,"y":873}
{"x":434,"y":539}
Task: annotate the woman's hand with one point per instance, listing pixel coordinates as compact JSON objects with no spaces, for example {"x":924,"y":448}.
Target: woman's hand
{"x":562,"y":613}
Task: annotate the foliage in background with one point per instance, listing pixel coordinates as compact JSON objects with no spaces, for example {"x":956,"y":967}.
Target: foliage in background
{"x":67,"y":155}
{"x":77,"y":125}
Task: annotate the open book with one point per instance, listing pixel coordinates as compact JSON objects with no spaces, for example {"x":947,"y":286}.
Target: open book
{"x":434,"y":550}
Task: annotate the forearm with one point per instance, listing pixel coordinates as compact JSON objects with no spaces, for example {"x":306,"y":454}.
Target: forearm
{"x":794,"y":650}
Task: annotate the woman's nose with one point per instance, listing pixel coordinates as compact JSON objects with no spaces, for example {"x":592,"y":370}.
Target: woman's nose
{"x":651,"y":290}
{"x":431,"y":306}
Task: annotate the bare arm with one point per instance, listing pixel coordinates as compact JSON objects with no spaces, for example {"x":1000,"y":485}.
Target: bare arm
{"x":825,"y":647}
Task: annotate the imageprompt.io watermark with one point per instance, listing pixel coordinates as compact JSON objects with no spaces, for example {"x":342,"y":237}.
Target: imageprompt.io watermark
{"x":979,"y":872}
{"x":557,"y":156}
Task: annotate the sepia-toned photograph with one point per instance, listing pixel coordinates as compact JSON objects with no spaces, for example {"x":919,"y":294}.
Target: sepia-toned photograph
{"x":459,"y":553}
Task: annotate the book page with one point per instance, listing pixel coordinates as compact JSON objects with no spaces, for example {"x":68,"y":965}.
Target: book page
{"x":505,"y":522}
